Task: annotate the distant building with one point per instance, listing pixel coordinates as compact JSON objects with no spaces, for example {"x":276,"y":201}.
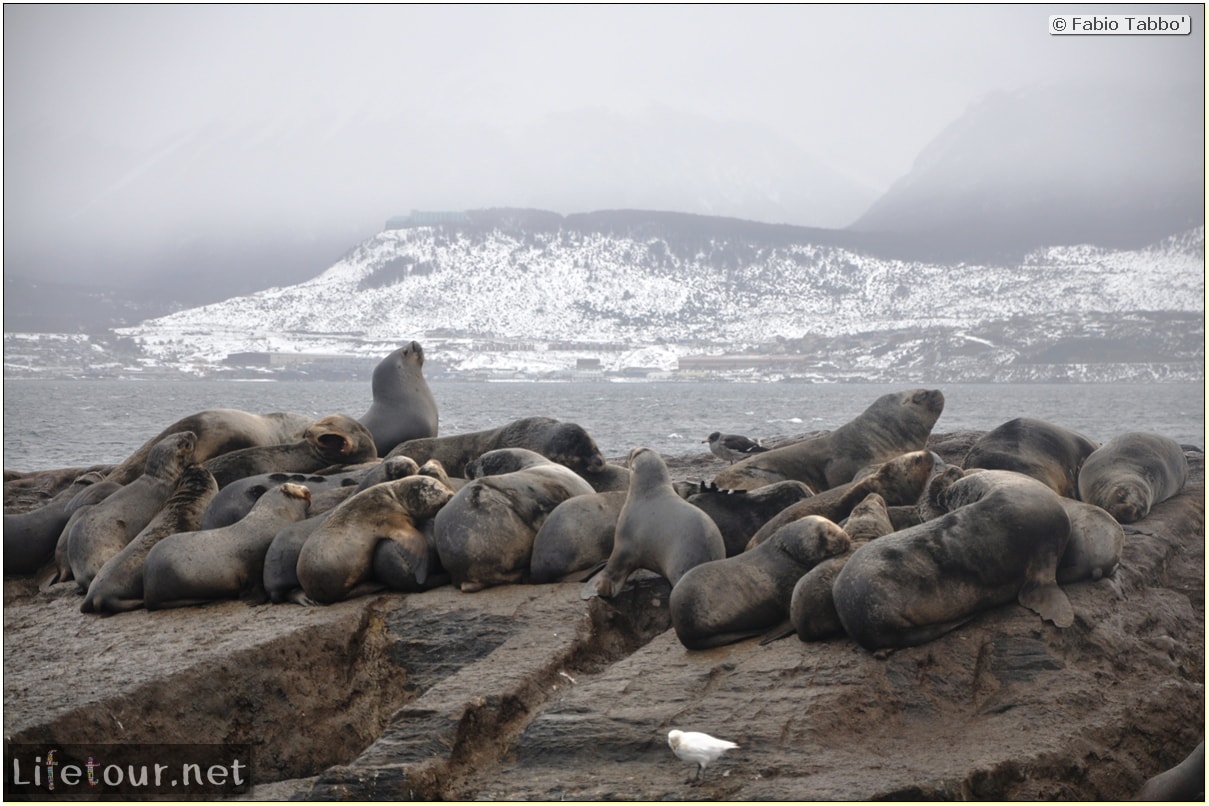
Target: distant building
{"x":427,"y":218}
{"x":587,"y":364}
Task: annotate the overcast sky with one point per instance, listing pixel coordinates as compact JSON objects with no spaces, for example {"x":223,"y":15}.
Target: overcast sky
{"x":126,"y":125}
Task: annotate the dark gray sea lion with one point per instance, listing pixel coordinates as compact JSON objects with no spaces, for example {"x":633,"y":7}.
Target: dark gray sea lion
{"x":1000,"y":541}
{"x":336,"y":563}
{"x":281,"y":561}
{"x":118,"y":586}
{"x":740,"y":513}
{"x":1046,"y":452}
{"x":1095,"y":545}
{"x":900,"y":482}
{"x":502,"y":460}
{"x":403,"y":407}
{"x":392,"y":469}
{"x":336,"y":439}
{"x":812,"y":612}
{"x":219,"y":431}
{"x":577,"y":536}
{"x":564,"y":443}
{"x":30,"y":537}
{"x":105,"y":528}
{"x":395,"y":566}
{"x":1185,"y":781}
{"x":656,"y":530}
{"x":727,"y":600}
{"x":237,"y":498}
{"x":485,"y":534}
{"x":193,"y":568}
{"x":894,"y":424}
{"x":1132,"y":472}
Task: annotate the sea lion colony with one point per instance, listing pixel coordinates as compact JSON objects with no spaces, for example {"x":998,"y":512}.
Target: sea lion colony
{"x":930,"y":564}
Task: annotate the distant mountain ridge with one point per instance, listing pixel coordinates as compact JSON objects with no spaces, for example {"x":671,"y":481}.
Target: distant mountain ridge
{"x":615,"y":281}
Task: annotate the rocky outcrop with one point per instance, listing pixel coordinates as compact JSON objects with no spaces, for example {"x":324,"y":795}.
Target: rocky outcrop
{"x":529,"y":692}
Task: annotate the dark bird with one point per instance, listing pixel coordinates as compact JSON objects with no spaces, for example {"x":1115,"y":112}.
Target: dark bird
{"x":732,"y":446}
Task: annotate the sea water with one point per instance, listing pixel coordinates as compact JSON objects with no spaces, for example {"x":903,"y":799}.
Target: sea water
{"x":73,"y":423}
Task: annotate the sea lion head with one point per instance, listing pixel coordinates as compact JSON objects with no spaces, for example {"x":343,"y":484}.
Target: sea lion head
{"x":1127,"y":502}
{"x":503,"y":460}
{"x":407,"y":359}
{"x":172,"y":453}
{"x":340,"y":439}
{"x":570,"y":445}
{"x":810,"y":540}
{"x":421,"y":496}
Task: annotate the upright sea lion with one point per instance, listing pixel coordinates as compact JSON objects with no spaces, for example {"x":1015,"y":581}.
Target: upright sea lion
{"x":740,"y":513}
{"x":577,"y":536}
{"x":894,"y":424}
{"x":336,"y":562}
{"x":336,"y":439}
{"x":105,"y":528}
{"x":30,"y":537}
{"x":219,"y":431}
{"x":1132,"y":472}
{"x":484,"y":535}
{"x":1046,"y":452}
{"x":1000,"y":541}
{"x":727,"y":600}
{"x":118,"y":586}
{"x":403,"y":406}
{"x":564,"y":443}
{"x":900,"y":482}
{"x":197,"y":567}
{"x":656,"y":530}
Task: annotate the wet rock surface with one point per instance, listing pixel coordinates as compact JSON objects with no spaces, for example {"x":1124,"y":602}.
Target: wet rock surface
{"x":529,"y":692}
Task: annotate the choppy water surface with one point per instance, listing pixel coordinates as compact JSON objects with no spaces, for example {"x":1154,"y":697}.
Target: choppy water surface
{"x":55,"y":423}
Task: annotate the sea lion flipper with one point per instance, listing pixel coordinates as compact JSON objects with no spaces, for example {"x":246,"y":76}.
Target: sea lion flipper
{"x":48,"y":576}
{"x":411,"y":550}
{"x":1048,"y":601}
{"x":782,"y":630}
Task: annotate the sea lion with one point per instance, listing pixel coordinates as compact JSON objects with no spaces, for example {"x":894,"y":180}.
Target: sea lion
{"x":336,"y":439}
{"x":118,"y":586}
{"x":725,"y":601}
{"x":484,"y":535}
{"x":1095,"y":545}
{"x":564,"y":443}
{"x":403,"y":406}
{"x":610,"y":478}
{"x":192,"y":568}
{"x":281,"y":561}
{"x":1000,"y":540}
{"x":502,"y":460}
{"x":392,"y":469}
{"x":656,"y":530}
{"x":811,"y":605}
{"x":237,"y":498}
{"x":894,"y":424}
{"x":219,"y":431}
{"x":105,"y":528}
{"x":30,"y":537}
{"x":1046,"y":452}
{"x":1184,"y":781}
{"x":1132,"y":472}
{"x":900,"y":482}
{"x":59,"y":568}
{"x":336,"y":562}
{"x":740,"y":513}
{"x":577,"y":536}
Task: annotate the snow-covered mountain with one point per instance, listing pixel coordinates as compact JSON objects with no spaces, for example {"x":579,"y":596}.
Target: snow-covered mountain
{"x":536,"y":291}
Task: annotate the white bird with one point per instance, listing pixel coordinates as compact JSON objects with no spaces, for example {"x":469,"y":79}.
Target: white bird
{"x":732,"y":446}
{"x":700,"y":748}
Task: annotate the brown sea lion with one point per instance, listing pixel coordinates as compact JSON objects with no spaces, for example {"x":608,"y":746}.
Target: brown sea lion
{"x":740,"y":513}
{"x":219,"y":431}
{"x":577,"y":536}
{"x":193,"y":568}
{"x":336,"y":562}
{"x":1046,"y":452}
{"x":336,"y":439}
{"x":894,"y":424}
{"x":105,"y":528}
{"x":118,"y":586}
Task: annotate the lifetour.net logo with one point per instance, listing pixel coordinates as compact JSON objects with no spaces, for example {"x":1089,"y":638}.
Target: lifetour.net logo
{"x":53,"y":771}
